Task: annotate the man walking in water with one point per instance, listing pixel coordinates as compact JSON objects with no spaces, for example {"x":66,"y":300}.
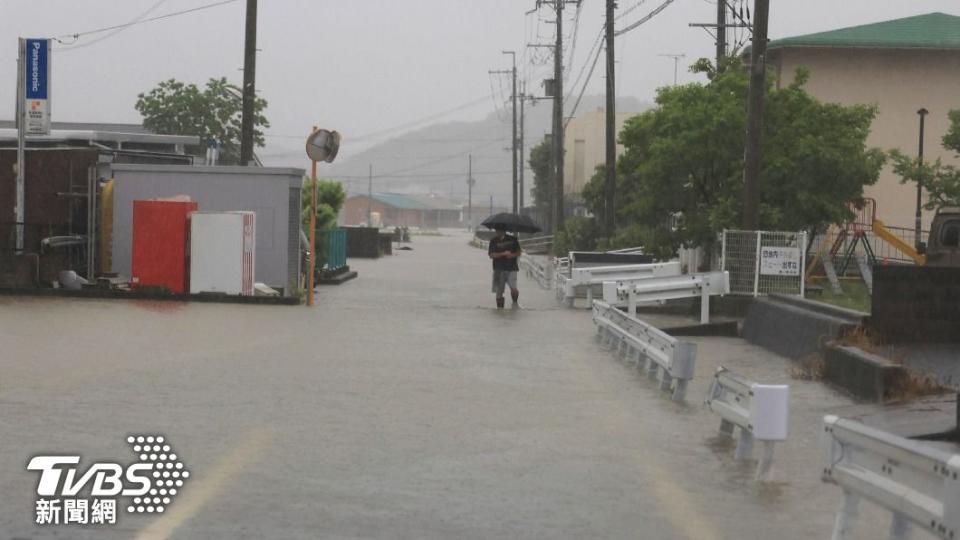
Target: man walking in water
{"x":504,"y":250}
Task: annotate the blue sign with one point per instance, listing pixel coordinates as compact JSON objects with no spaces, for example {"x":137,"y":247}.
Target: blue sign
{"x":38,"y":72}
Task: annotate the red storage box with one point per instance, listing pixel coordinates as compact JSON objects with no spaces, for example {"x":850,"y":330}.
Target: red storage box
{"x":160,"y":244}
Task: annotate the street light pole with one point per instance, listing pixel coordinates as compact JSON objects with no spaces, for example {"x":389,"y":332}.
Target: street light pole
{"x":312,"y":264}
{"x":917,"y":232}
{"x":676,"y":64}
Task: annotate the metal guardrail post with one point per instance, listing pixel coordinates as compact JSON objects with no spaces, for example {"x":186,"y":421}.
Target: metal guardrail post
{"x":760,"y":412}
{"x":671,"y":361}
{"x":660,"y":289}
{"x":917,"y":483}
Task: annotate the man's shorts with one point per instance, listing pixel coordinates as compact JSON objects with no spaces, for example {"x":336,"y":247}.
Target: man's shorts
{"x":502,"y":278}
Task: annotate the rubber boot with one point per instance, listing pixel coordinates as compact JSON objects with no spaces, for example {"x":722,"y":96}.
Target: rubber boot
{"x":514,"y":295}
{"x":500,"y":302}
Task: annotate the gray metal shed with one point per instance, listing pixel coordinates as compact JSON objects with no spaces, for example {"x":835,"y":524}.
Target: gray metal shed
{"x":273,"y":193}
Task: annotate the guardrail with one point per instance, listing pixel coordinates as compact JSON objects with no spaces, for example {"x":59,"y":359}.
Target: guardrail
{"x":918,"y":483}
{"x":537,"y":243}
{"x":538,"y":270}
{"x":638,"y":249}
{"x":664,"y":357}
{"x":760,"y":412}
{"x":668,"y":288}
{"x":597,"y":275}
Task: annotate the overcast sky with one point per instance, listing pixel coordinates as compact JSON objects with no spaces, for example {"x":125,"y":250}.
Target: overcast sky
{"x":364,"y":66}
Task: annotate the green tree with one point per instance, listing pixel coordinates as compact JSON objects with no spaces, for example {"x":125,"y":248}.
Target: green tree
{"x":942,"y":182}
{"x":680,"y":180}
{"x":330,"y":198}
{"x":541,"y":162}
{"x":212,"y":114}
{"x":578,"y":234}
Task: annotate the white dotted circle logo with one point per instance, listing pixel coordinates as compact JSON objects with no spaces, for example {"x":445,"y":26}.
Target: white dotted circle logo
{"x":168,"y":471}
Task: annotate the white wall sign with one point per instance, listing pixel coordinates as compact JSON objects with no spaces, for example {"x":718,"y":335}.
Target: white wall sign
{"x":779,"y":261}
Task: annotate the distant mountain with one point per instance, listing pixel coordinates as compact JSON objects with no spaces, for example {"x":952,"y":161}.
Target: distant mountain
{"x":434,"y":159}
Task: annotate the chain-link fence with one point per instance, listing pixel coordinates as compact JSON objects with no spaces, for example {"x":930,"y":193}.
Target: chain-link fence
{"x":764,"y":262}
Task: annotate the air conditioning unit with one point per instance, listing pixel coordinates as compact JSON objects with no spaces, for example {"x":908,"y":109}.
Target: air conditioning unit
{"x":222,"y":248}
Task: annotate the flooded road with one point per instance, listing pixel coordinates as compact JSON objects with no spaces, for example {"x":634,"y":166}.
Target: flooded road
{"x":402,"y":406}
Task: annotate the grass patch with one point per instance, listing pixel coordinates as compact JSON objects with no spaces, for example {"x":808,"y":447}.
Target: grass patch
{"x":854,"y":296}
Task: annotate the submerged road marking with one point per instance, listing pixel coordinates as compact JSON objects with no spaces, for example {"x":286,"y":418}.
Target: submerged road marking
{"x":201,"y":490}
{"x":680,"y":509}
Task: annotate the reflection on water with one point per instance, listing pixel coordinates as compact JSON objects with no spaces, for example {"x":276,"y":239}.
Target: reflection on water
{"x":160,"y":306}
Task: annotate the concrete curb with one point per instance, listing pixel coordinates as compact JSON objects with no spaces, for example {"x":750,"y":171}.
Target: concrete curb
{"x":338,"y":279}
{"x":134,"y":295}
{"x":866,"y":375}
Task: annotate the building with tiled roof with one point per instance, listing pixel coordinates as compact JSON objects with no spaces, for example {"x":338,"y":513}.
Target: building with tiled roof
{"x":901,"y":66}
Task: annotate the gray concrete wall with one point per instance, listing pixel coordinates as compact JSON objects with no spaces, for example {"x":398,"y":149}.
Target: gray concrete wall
{"x":267,"y":191}
{"x":795,"y":328}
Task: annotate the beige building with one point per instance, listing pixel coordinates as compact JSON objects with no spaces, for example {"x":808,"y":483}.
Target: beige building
{"x":585,"y":144}
{"x":901,"y":66}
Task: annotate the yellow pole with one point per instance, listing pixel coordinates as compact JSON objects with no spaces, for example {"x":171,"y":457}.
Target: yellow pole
{"x":313,"y":229}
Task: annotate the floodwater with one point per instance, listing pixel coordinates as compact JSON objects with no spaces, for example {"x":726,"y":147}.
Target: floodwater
{"x":401,"y":406}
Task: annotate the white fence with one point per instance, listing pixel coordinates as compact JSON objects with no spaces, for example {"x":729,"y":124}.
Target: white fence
{"x":764,"y":262}
{"x":662,"y":355}
{"x":759,"y":411}
{"x":630,"y":294}
{"x":918,"y":483}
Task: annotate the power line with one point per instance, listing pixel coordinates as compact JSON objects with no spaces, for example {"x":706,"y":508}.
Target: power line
{"x":586,"y":62}
{"x":138,"y":20}
{"x":583,"y":89}
{"x":644,"y":19}
{"x":573,"y":41}
{"x":630,"y":9}
{"x":435,"y":116}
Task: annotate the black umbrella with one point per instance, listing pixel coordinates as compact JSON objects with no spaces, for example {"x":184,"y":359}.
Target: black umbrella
{"x":511,"y":222}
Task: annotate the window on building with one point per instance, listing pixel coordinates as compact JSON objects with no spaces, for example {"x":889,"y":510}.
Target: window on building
{"x":950,"y":234}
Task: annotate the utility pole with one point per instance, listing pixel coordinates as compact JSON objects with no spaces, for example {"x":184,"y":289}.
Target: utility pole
{"x":752,"y":155}
{"x":513,"y":146}
{"x":370,"y":197}
{"x":721,"y":32}
{"x":558,"y":206}
{"x":918,"y":231}
{"x":249,"y":84}
{"x":523,"y":159}
{"x":611,"y":134}
{"x":721,"y":28}
{"x":470,"y":183}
